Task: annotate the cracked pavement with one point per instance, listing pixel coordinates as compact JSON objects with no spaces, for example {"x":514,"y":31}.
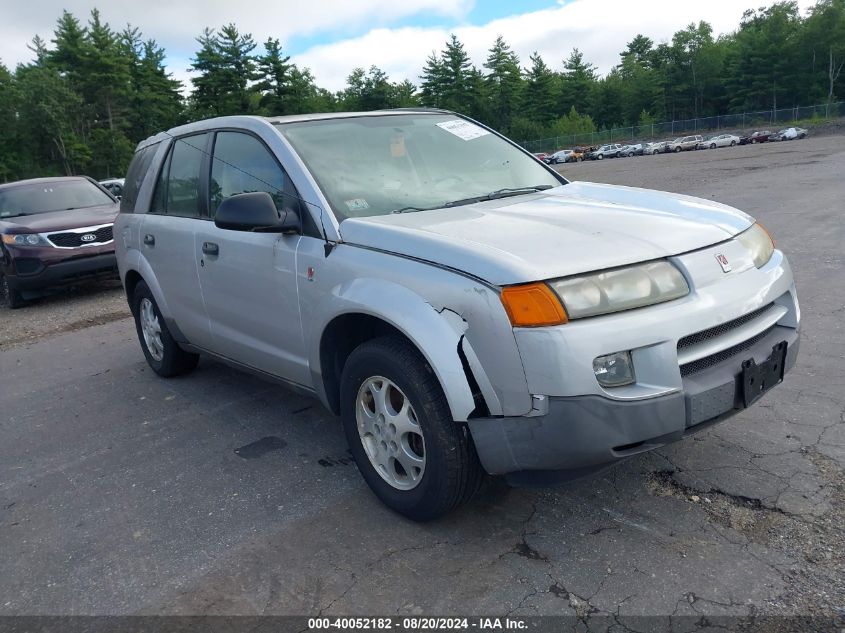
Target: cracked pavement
{"x":218,"y":493}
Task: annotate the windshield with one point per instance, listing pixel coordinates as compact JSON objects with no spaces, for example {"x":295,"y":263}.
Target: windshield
{"x":376,"y":165}
{"x":45,"y":197}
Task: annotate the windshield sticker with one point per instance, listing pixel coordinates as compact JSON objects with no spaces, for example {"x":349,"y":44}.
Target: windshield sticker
{"x":463,"y":129}
{"x":357,"y":204}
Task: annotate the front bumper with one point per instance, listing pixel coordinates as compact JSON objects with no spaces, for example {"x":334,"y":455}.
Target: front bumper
{"x":62,"y":272}
{"x":582,"y":434}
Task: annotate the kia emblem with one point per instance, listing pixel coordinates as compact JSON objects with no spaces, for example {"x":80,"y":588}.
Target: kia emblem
{"x":723,"y":262}
{"x":88,"y":237}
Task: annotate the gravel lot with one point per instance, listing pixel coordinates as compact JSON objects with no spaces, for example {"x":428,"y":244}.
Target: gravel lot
{"x":218,"y":493}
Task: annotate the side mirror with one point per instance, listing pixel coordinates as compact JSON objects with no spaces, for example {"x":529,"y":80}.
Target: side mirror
{"x":255,"y":212}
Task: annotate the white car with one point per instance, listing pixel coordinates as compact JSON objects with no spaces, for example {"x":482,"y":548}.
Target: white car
{"x":722,"y":140}
{"x":790,"y":134}
{"x":659,"y":147}
{"x":114,"y":186}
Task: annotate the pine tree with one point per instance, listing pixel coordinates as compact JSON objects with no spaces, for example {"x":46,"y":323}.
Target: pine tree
{"x":504,"y":83}
{"x":273,"y":74}
{"x":540,"y":92}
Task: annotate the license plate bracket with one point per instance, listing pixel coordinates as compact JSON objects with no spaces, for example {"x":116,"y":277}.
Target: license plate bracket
{"x":758,"y":379}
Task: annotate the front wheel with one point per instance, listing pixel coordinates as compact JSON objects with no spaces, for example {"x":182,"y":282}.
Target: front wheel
{"x":9,"y":297}
{"x":600,"y":157}
{"x":415,"y":458}
{"x":677,"y":150}
{"x":162,"y":352}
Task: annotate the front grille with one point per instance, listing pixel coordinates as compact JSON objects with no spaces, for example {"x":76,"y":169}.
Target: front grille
{"x":72,"y":240}
{"x":721,"y":329}
{"x":714,"y":359}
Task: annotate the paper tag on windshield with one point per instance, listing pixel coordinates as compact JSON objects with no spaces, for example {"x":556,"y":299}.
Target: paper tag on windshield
{"x":357,"y":204}
{"x":463,"y":129}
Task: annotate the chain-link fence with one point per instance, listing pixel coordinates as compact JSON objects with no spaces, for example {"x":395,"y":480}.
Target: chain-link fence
{"x":669,"y":130}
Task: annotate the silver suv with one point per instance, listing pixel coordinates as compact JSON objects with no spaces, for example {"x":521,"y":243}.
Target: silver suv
{"x":685,"y":143}
{"x":459,"y":315}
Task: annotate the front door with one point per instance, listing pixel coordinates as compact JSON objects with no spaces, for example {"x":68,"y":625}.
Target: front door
{"x":249,"y":279}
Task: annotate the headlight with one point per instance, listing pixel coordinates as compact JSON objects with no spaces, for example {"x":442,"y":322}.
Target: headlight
{"x":759,"y":243}
{"x":24,"y":239}
{"x":620,"y":289}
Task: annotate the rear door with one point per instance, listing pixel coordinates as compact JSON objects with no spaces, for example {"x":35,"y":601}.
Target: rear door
{"x":248,"y":279}
{"x":168,"y":236}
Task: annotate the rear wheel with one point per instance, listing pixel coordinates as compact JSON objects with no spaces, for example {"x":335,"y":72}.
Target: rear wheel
{"x":712,"y":145}
{"x":733,"y":143}
{"x":9,"y":297}
{"x":399,"y":427}
{"x":162,"y":352}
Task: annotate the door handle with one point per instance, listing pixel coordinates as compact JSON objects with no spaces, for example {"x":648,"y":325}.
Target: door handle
{"x":210,"y":248}
{"x":149,"y":239}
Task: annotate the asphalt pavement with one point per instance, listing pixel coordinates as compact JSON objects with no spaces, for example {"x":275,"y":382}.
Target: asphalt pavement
{"x":219,"y":493}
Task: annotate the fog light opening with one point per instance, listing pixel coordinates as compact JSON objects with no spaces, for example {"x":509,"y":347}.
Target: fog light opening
{"x":614,"y":370}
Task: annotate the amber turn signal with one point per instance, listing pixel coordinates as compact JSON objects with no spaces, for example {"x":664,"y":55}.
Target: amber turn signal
{"x":533,"y":305}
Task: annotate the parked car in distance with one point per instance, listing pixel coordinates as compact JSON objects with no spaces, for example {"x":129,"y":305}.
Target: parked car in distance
{"x":721,"y":140}
{"x":658,"y":147}
{"x":54,"y":231}
{"x":114,"y":186}
{"x":459,"y":317}
{"x":789,"y":134}
{"x":605,"y":151}
{"x":541,"y":156}
{"x":565,"y":156}
{"x":685,"y":143}
{"x":760,"y":136}
{"x":632,"y":150}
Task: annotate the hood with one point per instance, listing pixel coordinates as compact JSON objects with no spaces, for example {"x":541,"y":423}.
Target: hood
{"x":575,"y":228}
{"x":60,"y":220}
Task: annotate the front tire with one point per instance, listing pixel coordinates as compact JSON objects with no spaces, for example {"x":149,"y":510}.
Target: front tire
{"x":415,"y":458}
{"x":600,"y":157}
{"x":677,"y":150}
{"x":733,"y":143}
{"x":9,"y":297}
{"x":162,"y":352}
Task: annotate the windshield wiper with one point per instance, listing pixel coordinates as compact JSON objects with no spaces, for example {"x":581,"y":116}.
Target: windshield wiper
{"x":412,"y":208}
{"x":499,"y":193}
{"x":493,"y":195}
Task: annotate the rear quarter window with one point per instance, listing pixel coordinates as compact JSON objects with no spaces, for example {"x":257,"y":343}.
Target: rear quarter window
{"x":138,"y":169}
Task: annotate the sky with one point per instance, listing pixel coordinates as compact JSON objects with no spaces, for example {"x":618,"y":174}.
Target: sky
{"x":331,"y":37}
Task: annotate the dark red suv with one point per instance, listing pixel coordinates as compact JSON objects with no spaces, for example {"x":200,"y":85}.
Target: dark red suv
{"x":54,"y":231}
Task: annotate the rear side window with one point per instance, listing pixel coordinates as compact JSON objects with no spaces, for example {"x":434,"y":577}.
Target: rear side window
{"x":178,"y":187}
{"x":135,"y":177}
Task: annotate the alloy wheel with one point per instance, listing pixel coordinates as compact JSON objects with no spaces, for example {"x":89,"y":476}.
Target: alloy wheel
{"x":151,"y":329}
{"x":390,"y":433}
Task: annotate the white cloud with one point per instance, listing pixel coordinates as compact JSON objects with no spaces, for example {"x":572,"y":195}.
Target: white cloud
{"x":600,"y":28}
{"x":175,"y":24}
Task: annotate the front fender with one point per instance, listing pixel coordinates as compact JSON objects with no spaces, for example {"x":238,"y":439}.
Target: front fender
{"x":436,"y":334}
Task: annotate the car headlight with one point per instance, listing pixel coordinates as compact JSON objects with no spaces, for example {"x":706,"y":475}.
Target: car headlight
{"x":24,"y":239}
{"x":759,"y":243}
{"x":620,"y":289}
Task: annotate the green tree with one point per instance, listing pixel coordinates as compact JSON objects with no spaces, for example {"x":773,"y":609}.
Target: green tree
{"x":226,"y":66}
{"x":274,"y":78}
{"x":540,"y":96}
{"x":504,"y":84}
{"x":577,"y":83}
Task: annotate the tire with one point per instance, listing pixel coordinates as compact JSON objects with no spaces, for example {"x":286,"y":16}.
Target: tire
{"x":677,"y":150}
{"x":733,"y":143}
{"x":578,"y":159}
{"x":165,"y":358}
{"x":450,"y":472}
{"x":600,"y":157}
{"x":10,"y":298}
{"x":712,"y":145}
